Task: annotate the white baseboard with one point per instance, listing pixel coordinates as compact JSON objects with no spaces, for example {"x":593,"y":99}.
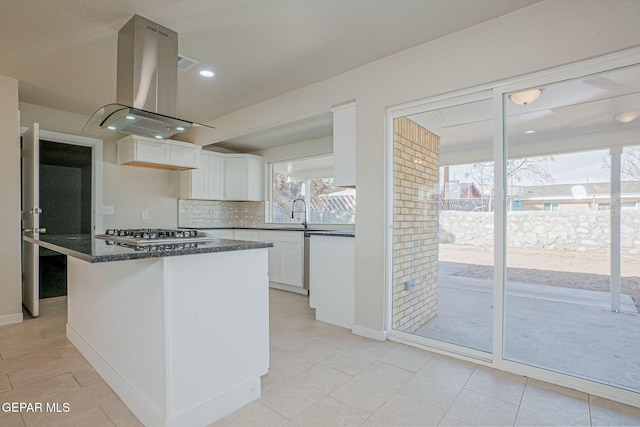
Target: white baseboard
{"x":147,"y":413}
{"x":9,"y":319}
{"x":204,"y":414}
{"x":218,"y":407}
{"x":283,"y":287}
{"x":374,"y":334}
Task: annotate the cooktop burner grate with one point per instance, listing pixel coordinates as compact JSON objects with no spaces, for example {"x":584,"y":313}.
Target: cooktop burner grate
{"x":152,"y":233}
{"x":139,"y":236}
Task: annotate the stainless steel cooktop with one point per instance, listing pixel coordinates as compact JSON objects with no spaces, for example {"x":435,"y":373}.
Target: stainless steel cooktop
{"x":154,"y":236}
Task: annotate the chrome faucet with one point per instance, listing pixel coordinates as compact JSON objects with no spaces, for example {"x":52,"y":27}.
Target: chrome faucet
{"x":293,"y":211}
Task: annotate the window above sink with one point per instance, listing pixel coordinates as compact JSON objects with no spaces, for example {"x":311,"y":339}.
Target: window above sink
{"x":310,"y":179}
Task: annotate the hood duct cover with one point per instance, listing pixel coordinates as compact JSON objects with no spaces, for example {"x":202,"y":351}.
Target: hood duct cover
{"x":147,"y":84}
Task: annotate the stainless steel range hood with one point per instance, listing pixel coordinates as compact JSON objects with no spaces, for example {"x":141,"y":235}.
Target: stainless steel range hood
{"x":147,"y":83}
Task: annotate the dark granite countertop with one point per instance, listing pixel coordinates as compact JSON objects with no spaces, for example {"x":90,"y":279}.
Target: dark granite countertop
{"x":333,"y":233}
{"x":90,"y":249}
{"x":342,"y":232}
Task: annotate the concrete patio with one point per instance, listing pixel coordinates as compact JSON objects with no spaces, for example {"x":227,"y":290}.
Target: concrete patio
{"x":572,"y":331}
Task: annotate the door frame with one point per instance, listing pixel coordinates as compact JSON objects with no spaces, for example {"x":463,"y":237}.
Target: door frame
{"x":30,"y":207}
{"x":495,"y":360}
{"x":97,"y":169}
{"x":96,"y":146}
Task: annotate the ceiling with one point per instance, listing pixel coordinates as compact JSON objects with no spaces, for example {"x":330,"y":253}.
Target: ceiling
{"x":63,"y":52}
{"x":586,"y":113}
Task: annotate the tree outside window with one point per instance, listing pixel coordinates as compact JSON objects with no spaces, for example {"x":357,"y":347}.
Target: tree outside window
{"x":325,"y":203}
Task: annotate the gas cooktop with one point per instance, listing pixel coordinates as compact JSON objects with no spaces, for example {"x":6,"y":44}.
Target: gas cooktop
{"x":154,"y":236}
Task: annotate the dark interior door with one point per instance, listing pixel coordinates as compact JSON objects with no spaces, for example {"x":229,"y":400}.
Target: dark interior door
{"x":65,"y":198}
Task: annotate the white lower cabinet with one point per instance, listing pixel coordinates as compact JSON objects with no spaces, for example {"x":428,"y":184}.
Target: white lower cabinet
{"x":286,"y":259}
{"x":220,"y":234}
{"x":239,"y":234}
{"x":291,"y":255}
{"x":332,"y":279}
{"x":275,"y":270}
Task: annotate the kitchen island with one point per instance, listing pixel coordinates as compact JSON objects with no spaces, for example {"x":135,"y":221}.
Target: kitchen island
{"x":179,"y":332}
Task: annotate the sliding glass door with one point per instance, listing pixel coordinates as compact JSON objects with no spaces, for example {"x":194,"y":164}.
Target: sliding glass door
{"x":443,"y":224}
{"x":571,"y":302}
{"x":515,"y":227}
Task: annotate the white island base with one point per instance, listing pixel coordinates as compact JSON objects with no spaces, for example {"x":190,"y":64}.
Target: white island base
{"x":182,"y":340}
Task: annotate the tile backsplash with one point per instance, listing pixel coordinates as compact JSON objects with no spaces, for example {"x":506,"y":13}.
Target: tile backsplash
{"x":220,"y":214}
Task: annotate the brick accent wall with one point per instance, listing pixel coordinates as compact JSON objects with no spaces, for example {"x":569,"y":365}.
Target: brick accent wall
{"x":416,"y":158}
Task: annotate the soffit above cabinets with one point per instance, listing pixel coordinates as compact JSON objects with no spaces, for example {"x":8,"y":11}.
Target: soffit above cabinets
{"x":302,"y":130}
{"x":314,"y":167}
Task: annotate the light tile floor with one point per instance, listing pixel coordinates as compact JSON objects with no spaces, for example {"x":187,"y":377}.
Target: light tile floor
{"x":320,"y":375}
{"x":323,"y":375}
{"x":39,"y":365}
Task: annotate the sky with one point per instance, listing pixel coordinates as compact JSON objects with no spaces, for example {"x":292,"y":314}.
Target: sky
{"x":574,"y":168}
{"x":577,"y":168}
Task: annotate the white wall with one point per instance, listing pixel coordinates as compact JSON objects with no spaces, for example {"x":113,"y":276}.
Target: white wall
{"x":10,"y":244}
{"x":128,"y":189}
{"x":544,"y":35}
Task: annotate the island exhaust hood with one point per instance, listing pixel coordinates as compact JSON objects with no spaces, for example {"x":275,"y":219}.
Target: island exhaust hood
{"x":147,"y":83}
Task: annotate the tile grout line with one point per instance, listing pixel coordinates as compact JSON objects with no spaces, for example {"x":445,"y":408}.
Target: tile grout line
{"x":524,"y":389}
{"x":457,"y":395}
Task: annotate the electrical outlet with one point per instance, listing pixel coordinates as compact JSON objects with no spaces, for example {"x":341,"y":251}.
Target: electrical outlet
{"x":145,"y":214}
{"x":410,"y":285}
{"x":107,"y":210}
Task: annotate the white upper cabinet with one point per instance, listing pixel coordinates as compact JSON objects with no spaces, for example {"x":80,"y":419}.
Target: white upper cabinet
{"x":215,"y":176}
{"x":344,"y":145}
{"x":242,"y":177}
{"x":224,"y":177}
{"x":159,"y":154}
{"x":206,"y":182}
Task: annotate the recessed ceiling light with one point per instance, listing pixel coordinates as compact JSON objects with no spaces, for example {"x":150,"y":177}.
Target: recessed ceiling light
{"x":111,"y":127}
{"x":206,"y":73}
{"x":130,"y":117}
{"x":530,"y":131}
{"x":180,"y":128}
{"x":158,"y":136}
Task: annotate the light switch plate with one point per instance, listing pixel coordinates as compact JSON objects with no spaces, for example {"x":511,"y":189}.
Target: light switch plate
{"x":107,"y":210}
{"x":145,"y":214}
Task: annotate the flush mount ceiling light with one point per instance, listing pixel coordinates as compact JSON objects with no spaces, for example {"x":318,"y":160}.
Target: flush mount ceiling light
{"x":206,"y":73}
{"x":525,"y":97}
{"x":627,"y":117}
